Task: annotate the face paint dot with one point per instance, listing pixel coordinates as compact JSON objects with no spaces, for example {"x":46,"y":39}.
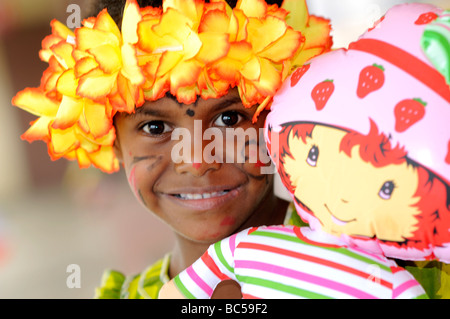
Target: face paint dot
{"x":196,"y":165}
{"x":190,"y":112}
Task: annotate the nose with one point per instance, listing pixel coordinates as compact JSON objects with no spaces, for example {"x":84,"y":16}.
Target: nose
{"x":196,"y":169}
{"x":202,"y":159}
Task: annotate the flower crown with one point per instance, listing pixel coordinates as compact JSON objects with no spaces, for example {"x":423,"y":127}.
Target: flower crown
{"x":187,"y":48}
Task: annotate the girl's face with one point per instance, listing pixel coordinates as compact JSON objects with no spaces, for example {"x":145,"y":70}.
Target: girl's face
{"x":348,"y":195}
{"x":202,"y":198}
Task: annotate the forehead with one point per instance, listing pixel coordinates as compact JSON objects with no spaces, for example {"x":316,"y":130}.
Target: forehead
{"x":169,"y":107}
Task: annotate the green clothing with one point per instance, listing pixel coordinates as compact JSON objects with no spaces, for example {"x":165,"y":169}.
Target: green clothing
{"x":432,"y":275}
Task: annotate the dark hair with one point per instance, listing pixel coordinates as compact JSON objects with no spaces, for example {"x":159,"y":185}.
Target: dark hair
{"x":115,"y":7}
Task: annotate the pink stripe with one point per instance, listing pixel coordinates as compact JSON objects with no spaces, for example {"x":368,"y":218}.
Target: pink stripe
{"x":199,"y":282}
{"x":298,"y":275}
{"x":232,"y":243}
{"x":403,"y":287}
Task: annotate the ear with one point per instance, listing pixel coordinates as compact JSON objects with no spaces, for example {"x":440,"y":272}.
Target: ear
{"x":118,"y":149}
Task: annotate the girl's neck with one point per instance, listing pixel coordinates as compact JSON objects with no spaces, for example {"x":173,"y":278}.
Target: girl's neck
{"x":271,"y":211}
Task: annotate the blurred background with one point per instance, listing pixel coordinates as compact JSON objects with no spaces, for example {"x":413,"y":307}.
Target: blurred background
{"x":52,"y":214}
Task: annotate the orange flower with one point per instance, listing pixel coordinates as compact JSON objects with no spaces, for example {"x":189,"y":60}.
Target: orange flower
{"x":106,"y":61}
{"x":174,"y":52}
{"x":73,"y":127}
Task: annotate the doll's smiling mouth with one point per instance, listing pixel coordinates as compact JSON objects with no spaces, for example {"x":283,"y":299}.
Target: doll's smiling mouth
{"x":336,"y":220}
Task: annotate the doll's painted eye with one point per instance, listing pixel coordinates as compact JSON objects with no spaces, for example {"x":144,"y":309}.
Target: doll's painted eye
{"x":156,"y":128}
{"x":386,"y":190}
{"x":228,"y":118}
{"x":313,"y":155}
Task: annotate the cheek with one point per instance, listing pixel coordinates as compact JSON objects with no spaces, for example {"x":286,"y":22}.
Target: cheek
{"x":142,"y":175}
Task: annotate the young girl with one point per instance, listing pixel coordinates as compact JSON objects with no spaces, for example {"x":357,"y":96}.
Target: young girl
{"x":115,"y":96}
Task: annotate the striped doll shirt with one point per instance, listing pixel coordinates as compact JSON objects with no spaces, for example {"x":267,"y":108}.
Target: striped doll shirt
{"x":281,"y":262}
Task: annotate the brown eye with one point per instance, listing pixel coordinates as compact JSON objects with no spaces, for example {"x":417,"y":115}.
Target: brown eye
{"x":155,"y":128}
{"x":229,"y":118}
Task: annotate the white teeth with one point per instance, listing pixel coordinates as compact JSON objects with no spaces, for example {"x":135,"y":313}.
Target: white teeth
{"x":201,"y":196}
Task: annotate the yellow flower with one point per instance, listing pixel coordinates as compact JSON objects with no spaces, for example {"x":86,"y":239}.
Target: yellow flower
{"x":174,"y":52}
{"x":261,"y":41}
{"x":73,"y":127}
{"x":106,"y":61}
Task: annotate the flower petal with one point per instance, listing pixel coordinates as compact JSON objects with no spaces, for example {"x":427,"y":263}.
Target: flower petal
{"x":67,"y":83}
{"x":215,"y":21}
{"x":214,"y":47}
{"x":39,"y":130}
{"x":184,"y":73}
{"x":253,"y":8}
{"x":263,"y":32}
{"x":105,"y":159}
{"x":131,"y":18}
{"x":130,"y":68}
{"x":284,"y":47}
{"x":252,"y":69}
{"x":87,"y":38}
{"x":63,"y":141}
{"x":96,"y":84}
{"x":105,"y":23}
{"x":63,"y":53}
{"x":270,"y":79}
{"x":68,"y":113}
{"x":192,"y":9}
{"x":99,"y":123}
{"x":34,"y":101}
{"x":108,"y":57}
{"x":85,"y":65}
{"x":298,"y":14}
{"x":318,"y":33}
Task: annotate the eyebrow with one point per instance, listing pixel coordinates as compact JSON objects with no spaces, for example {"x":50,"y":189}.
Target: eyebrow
{"x":148,"y":111}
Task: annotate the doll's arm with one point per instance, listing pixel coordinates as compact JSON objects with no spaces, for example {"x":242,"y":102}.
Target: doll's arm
{"x":170,"y":291}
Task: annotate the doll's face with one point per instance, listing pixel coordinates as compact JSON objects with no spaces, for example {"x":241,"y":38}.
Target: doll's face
{"x":348,"y":195}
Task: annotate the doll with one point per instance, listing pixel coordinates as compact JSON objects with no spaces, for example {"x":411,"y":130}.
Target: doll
{"x":361,"y":140}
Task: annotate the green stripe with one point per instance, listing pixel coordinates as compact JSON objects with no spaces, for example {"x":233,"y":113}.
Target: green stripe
{"x":281,"y":287}
{"x":342,"y":250}
{"x":182,"y":288}
{"x":424,"y":296}
{"x":219,"y":254}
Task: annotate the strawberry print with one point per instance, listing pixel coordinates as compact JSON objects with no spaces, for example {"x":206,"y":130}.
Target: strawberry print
{"x":407,"y":112}
{"x":426,"y":18}
{"x":321,"y":93}
{"x":371,"y":78}
{"x":296,"y":76}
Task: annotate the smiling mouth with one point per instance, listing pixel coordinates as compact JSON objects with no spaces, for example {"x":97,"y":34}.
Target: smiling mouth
{"x":336,"y":220}
{"x":205,"y":199}
{"x":194,"y":196}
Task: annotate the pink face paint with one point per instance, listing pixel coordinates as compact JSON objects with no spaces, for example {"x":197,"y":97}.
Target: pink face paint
{"x":132,"y":182}
{"x":228,"y":221}
{"x":196,"y":165}
{"x":259,"y":164}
